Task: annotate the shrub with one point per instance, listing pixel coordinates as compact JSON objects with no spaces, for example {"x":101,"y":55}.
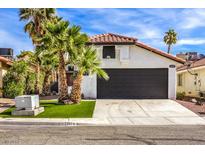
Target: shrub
{"x":14,"y":82}
{"x":13,"y":89}
{"x":30,"y":83}
{"x":180,"y":95}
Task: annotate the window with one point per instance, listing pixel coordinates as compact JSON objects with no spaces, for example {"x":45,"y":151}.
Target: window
{"x":179,"y":80}
{"x":108,"y":52}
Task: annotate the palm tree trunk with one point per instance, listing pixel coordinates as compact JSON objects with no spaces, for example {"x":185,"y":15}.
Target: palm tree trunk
{"x":169,"y":48}
{"x":37,"y":79}
{"x":46,"y":83}
{"x":63,"y":87}
{"x":52,"y":76}
{"x":76,"y":89}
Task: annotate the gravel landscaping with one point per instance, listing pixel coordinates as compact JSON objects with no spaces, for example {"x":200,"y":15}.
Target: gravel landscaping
{"x":198,"y":109}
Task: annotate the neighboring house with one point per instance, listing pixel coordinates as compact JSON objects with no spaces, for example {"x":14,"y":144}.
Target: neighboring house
{"x":4,"y":65}
{"x":182,"y":55}
{"x":7,"y":53}
{"x":191,"y":78}
{"x":190,"y":56}
{"x":136,"y":70}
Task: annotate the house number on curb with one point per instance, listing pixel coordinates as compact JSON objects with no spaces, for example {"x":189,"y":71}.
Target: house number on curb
{"x":171,"y":66}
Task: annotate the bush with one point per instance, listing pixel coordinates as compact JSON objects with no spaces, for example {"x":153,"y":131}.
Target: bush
{"x":13,"y":89}
{"x":14,"y":82}
{"x":180,"y":95}
{"x":30,"y":83}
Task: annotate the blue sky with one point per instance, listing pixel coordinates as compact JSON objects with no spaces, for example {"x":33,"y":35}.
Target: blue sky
{"x":148,"y":25}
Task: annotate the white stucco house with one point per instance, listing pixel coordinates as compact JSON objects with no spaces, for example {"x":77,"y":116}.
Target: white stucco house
{"x":191,"y":78}
{"x":136,"y":70}
{"x":5,"y":64}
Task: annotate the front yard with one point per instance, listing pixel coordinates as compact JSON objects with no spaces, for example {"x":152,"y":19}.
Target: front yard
{"x":54,"y":110}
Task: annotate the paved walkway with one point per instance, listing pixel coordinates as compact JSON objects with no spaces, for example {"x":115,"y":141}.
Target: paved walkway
{"x":5,"y":104}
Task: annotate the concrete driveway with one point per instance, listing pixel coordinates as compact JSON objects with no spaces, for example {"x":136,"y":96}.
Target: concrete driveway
{"x":145,"y":112}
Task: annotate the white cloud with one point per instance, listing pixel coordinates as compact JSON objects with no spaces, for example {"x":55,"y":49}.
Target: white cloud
{"x":192,"y":18}
{"x":127,"y":22}
{"x":144,"y":32}
{"x":195,"y":41}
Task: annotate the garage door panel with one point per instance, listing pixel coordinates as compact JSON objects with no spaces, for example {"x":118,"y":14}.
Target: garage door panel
{"x":134,"y":84}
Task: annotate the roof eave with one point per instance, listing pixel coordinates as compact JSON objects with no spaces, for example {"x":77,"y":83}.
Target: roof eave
{"x":193,"y":68}
{"x":161,"y":53}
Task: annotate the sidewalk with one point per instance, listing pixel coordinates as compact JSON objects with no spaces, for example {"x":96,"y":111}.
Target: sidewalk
{"x":103,"y":121}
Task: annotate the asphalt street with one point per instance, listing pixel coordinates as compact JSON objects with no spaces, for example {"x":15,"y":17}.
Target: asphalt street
{"x":149,"y":135}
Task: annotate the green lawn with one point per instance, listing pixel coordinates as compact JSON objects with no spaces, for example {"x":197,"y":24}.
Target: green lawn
{"x":54,"y":110}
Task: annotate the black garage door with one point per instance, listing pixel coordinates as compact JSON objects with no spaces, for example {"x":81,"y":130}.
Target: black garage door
{"x":134,"y":84}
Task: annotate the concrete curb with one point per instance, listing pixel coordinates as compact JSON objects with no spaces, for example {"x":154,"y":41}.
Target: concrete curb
{"x":78,"y":122}
{"x":53,"y":122}
{"x":40,"y":123}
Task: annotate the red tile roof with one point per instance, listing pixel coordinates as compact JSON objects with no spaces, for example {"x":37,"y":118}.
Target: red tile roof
{"x":194,"y":64}
{"x":110,"y":38}
{"x":5,"y":60}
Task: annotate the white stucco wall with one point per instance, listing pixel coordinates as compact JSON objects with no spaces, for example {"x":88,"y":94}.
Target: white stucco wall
{"x":138,"y":58}
{"x":89,"y":86}
{"x":191,"y":85}
{"x":172,"y":83}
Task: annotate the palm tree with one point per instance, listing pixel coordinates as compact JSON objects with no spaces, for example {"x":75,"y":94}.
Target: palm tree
{"x":63,"y":40}
{"x":55,"y":39}
{"x":170,"y":38}
{"x":48,"y":64}
{"x":75,"y":39}
{"x":35,"y":18}
{"x":87,"y":62}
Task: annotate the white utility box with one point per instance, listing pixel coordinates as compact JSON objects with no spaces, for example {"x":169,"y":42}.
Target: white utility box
{"x":27,"y":102}
{"x":27,"y":105}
